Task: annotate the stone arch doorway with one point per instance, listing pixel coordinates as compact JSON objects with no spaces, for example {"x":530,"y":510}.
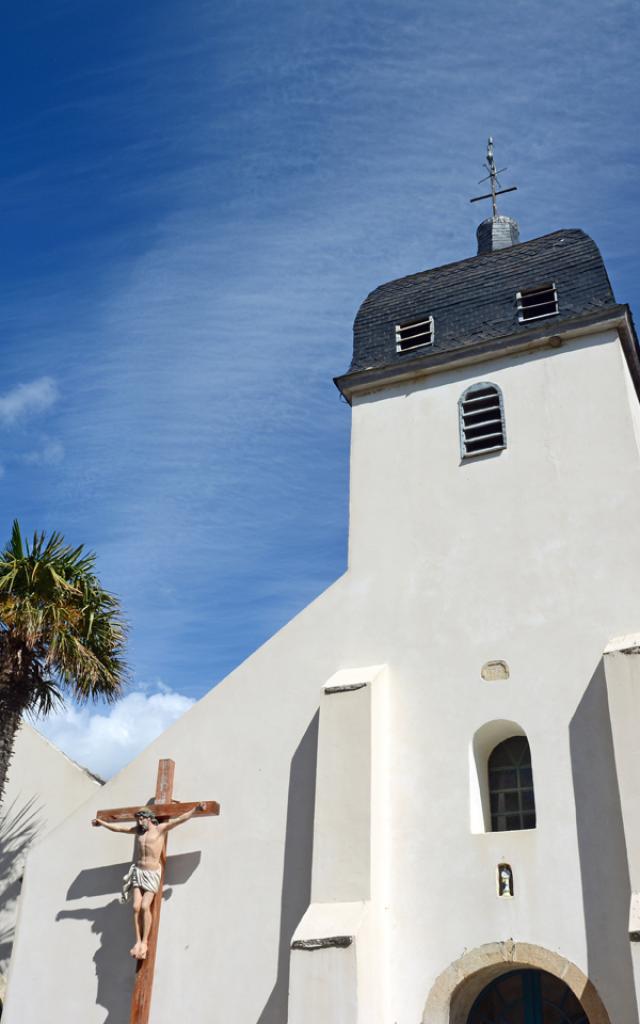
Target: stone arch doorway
{"x":455,"y":992}
{"x":527,"y":997}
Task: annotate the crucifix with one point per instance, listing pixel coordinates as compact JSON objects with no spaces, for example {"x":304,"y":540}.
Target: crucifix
{"x":493,"y":177}
{"x":146,"y":875}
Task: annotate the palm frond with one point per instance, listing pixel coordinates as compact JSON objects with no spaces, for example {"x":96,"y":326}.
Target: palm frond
{"x":16,"y":545}
{"x":44,"y":697}
{"x":61,"y":628}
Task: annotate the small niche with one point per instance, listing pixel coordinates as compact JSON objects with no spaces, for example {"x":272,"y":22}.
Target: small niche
{"x":504,"y":878}
{"x":494,"y":671}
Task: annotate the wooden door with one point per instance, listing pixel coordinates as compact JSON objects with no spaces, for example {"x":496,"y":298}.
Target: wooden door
{"x":527,"y":997}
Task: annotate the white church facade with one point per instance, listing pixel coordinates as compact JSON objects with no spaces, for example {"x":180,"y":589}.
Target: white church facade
{"x":429,"y":782}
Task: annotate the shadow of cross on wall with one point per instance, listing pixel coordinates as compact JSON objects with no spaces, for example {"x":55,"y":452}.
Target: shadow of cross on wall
{"x":115,"y":970}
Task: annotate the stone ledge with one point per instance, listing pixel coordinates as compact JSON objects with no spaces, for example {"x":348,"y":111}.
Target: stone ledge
{"x":331,"y":942}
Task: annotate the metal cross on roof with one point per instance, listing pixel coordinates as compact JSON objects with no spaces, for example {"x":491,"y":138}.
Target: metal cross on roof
{"x":490,"y":164}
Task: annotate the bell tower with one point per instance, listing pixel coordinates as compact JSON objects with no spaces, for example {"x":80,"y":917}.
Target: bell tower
{"x":495,"y":496}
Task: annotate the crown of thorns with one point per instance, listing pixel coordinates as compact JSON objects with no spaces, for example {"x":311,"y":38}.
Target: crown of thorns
{"x":144,"y":812}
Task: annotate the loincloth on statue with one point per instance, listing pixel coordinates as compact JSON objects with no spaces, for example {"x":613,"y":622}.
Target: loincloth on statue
{"x":148,"y":881}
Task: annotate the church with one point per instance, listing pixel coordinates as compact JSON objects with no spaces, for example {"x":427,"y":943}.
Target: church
{"x":428,"y":780}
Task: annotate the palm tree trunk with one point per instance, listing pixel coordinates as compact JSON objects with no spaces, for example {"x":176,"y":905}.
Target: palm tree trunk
{"x":9,"y":725}
{"x":12,"y":705}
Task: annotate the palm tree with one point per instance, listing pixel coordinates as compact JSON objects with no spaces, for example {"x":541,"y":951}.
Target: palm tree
{"x":59,"y":631}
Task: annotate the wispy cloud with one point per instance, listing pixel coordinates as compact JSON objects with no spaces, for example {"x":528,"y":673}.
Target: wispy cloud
{"x":105,"y":740}
{"x":240,"y":181}
{"x":50,"y":453}
{"x":26,"y":400}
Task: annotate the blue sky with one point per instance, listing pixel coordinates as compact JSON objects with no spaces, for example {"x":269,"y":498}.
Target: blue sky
{"x":194,"y":199}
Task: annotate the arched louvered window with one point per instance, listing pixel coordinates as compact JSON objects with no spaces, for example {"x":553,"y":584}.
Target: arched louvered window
{"x":482,"y":427}
{"x":511,"y":786}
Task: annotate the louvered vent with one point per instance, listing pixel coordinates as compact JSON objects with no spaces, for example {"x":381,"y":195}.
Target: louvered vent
{"x":414,"y":335}
{"x":534,"y":303}
{"x":481,"y":420}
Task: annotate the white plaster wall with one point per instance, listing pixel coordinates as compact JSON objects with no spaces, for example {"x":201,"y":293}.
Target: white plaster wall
{"x":343,"y":797}
{"x":331,"y":986}
{"x":622,"y":670}
{"x":350,"y":863}
{"x":43,"y":787}
{"x":532,"y":556}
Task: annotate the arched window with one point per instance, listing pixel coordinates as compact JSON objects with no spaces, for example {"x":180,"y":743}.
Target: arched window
{"x":511,"y":786}
{"x":481,"y":415}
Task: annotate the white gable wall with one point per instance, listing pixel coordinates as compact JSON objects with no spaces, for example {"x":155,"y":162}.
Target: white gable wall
{"x":222,"y":925}
{"x":43,"y":787}
{"x":531,"y":556}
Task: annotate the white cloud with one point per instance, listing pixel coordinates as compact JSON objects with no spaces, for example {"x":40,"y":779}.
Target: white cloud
{"x":105,"y":740}
{"x":50,"y":454}
{"x":27,"y":399}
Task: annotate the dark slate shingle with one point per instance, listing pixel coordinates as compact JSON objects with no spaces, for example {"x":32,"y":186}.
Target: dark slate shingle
{"x":474,"y":300}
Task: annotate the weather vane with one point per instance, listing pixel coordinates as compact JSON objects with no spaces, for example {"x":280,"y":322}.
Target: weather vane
{"x":490,"y":164}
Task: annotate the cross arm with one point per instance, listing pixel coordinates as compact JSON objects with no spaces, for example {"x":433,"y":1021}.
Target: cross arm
{"x":161,"y":811}
{"x":499,"y":192}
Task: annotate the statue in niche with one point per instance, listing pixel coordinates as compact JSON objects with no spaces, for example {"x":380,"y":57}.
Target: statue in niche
{"x":144,"y":876}
{"x":505,"y":880}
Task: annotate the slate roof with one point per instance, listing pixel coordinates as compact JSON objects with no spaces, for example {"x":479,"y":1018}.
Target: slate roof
{"x":474,"y":301}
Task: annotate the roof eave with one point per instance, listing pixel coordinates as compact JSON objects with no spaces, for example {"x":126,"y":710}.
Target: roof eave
{"x":549,"y":335}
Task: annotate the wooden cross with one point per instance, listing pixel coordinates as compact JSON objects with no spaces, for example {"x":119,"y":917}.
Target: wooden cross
{"x":163,"y":807}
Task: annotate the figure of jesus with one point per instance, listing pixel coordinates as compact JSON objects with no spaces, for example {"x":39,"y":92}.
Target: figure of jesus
{"x":143,"y":877}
